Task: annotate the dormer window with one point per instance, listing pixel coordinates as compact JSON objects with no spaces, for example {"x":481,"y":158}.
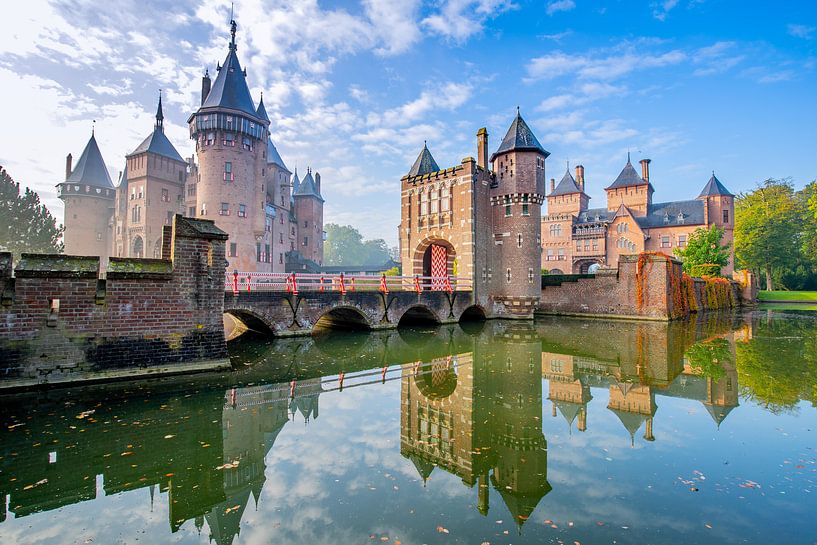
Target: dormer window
{"x":666,"y":218}
{"x":680,"y":217}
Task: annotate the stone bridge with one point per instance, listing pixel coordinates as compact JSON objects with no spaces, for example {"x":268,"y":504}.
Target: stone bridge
{"x":287,"y":314}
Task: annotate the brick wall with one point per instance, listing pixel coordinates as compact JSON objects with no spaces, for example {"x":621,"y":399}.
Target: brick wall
{"x":61,"y":322}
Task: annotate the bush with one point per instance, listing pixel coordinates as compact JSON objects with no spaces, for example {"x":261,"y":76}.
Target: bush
{"x":705,"y":270}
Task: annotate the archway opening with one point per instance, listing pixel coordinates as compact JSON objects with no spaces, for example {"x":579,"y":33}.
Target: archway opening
{"x":437,"y":379}
{"x":138,"y":247}
{"x":473,"y":314}
{"x":435,"y":258}
{"x":343,"y":318}
{"x":418,"y":315}
{"x":238,"y":323}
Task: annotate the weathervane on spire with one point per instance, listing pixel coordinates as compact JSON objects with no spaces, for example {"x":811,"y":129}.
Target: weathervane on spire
{"x":232,"y":26}
{"x":93,"y":127}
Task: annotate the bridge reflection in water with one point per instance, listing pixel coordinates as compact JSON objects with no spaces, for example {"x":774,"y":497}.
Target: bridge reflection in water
{"x":471,"y":403}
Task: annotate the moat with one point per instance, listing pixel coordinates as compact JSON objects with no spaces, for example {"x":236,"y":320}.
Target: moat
{"x":556,"y":431}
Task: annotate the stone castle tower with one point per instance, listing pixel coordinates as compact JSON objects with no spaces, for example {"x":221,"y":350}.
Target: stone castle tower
{"x":88,"y":194}
{"x":240,"y":181}
{"x":479,"y":223}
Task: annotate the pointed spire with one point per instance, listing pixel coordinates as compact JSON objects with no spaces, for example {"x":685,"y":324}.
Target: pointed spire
{"x":160,"y":117}
{"x":261,"y":111}
{"x":424,"y":164}
{"x":519,"y":138}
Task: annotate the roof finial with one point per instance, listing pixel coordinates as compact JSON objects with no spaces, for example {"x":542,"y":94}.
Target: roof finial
{"x":517,"y":112}
{"x":159,"y":115}
{"x":232,"y":27}
{"x":93,"y":127}
{"x":628,"y":156}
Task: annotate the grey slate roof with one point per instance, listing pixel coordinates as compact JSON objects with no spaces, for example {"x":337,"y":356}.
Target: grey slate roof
{"x":296,"y":182}
{"x":424,"y":164}
{"x":628,"y":177}
{"x":567,"y":186}
{"x":261,"y":112}
{"x":158,"y":143}
{"x":714,"y":187}
{"x":520,"y":138}
{"x":307,"y":188}
{"x":590,"y":215}
{"x":674,"y":213}
{"x":273,"y":157}
{"x":91,"y":169}
{"x":230,"y":88}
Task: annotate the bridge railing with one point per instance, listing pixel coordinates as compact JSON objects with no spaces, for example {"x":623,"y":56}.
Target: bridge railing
{"x":298,"y":282}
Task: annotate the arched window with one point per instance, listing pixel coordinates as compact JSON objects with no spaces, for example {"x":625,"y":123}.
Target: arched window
{"x":157,"y":249}
{"x":138,"y":247}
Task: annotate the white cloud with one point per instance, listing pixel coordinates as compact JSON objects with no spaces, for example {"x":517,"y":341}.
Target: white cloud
{"x":559,"y":5}
{"x":609,"y":67}
{"x":450,"y":96}
{"x":460,"y":19}
{"x":661,"y":9}
{"x":801,"y":31}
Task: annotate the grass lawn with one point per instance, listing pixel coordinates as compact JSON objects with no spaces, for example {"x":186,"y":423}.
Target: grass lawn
{"x":787,"y":296}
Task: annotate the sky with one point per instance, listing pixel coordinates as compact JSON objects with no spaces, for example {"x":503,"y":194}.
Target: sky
{"x":353,"y":89}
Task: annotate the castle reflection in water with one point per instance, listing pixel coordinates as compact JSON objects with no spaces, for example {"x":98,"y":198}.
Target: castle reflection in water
{"x":472,"y":403}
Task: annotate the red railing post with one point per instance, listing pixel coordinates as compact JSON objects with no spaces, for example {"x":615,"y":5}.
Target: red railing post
{"x":321,"y":289}
{"x":448,"y":284}
{"x":249,"y":281}
{"x":417,"y":284}
{"x":235,"y":282}
{"x":383,"y":286}
{"x":342,"y":285}
{"x":294,"y":285}
{"x":352,"y":284}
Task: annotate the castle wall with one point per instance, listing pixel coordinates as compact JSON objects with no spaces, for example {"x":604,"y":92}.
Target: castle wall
{"x":59,"y":322}
{"x":87,"y":220}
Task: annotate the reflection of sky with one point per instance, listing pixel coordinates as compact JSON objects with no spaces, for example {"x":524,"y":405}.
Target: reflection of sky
{"x":341,"y":479}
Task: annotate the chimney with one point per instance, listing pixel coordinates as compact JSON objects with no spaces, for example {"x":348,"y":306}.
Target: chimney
{"x":68,"y":163}
{"x":482,"y":148}
{"x":318,"y":181}
{"x":580,"y":176}
{"x":205,"y":86}
{"x":645,"y":169}
{"x":552,"y":185}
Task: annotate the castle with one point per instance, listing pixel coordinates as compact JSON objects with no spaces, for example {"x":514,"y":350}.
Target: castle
{"x":578,"y":239}
{"x":237,"y":178}
{"x":482,"y":220}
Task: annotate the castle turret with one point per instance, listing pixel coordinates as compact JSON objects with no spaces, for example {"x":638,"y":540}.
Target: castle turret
{"x":719,"y":209}
{"x":88,"y":194}
{"x":516,"y":202}
{"x":631,"y":190}
{"x":231,"y":137}
{"x":309,"y":214}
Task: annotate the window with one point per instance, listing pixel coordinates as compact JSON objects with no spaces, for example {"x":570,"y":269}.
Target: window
{"x":595,"y":244}
{"x":556,"y":230}
{"x":665,"y":242}
{"x":508,"y":212}
{"x":258,"y":256}
{"x":246,"y":143}
{"x":225,"y":209}
{"x":266,"y":253}
{"x":233,"y":249}
{"x":211,"y":138}
{"x":726,"y":215}
{"x":280,"y":238}
{"x":550,"y":254}
{"x":204,"y":209}
{"x":99,"y":236}
{"x":519,"y":240}
{"x":229,"y":140}
{"x":445,"y":199}
{"x":525,"y":209}
{"x":169,"y":219}
{"x":578,"y":245}
{"x":423,"y":203}
{"x":682,"y":241}
{"x":508,"y":274}
{"x":242,"y":210}
{"x":165,"y":196}
{"x":556,"y":366}
{"x":435,"y":202}
{"x":306,"y":241}
{"x":191,"y":211}
{"x":228,"y":172}
{"x":139,"y":196}
{"x":306,"y":224}
{"x":191,"y":190}
{"x":136,"y":214}
{"x":281,"y":258}
{"x":530,"y":276}
{"x":268,"y":224}
{"x":561,"y":253}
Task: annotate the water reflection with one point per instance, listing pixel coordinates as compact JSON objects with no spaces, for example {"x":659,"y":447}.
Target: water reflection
{"x":471,"y":405}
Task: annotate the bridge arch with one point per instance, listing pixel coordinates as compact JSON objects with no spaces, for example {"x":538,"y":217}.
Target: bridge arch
{"x":419,"y":315}
{"x":436,"y":379}
{"x":344,"y":317}
{"x":474,"y":313}
{"x":245,"y":320}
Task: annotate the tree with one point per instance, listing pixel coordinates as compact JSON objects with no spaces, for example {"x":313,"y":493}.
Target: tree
{"x":345,"y":246}
{"x":766,"y":228}
{"x":26,"y":225}
{"x":704,"y":248}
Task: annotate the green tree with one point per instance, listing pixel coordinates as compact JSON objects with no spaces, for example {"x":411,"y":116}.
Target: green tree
{"x":703,"y":248}
{"x":766,"y":228}
{"x":26,"y":225}
{"x":345,"y":246}
{"x":376,"y":252}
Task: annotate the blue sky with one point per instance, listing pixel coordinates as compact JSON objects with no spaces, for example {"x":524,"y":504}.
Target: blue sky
{"x":354,"y":88}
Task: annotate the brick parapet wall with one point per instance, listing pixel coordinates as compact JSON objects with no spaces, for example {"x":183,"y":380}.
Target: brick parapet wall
{"x":615,"y":292}
{"x":61,"y":322}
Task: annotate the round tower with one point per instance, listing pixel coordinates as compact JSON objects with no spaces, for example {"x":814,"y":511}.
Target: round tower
{"x":308,"y":204}
{"x":88,"y":194}
{"x":516,"y":205}
{"x":231,"y":146}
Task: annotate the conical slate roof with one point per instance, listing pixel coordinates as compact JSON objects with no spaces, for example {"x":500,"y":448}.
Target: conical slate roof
{"x":631,"y":421}
{"x":425,"y":163}
{"x":91,"y":169}
{"x":273,"y":157}
{"x":628,"y":177}
{"x":296,"y":182}
{"x":230,"y":89}
{"x":423,"y":466}
{"x":714,"y":187}
{"x":567,"y":186}
{"x":718,"y":412}
{"x":519,"y":138}
{"x":307,"y":187}
{"x":569,"y":410}
{"x":261,"y":112}
{"x":157,"y":143}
